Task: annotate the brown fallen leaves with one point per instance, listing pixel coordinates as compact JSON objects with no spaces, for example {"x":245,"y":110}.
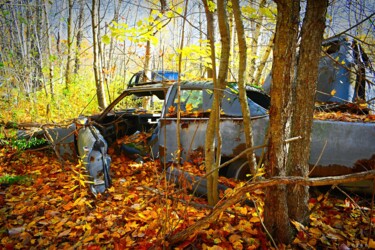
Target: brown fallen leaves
{"x":141,"y":210}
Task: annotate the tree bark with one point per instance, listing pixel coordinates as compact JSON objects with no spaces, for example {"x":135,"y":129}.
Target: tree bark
{"x":276,"y":207}
{"x":49,"y":49}
{"x":254,"y":43}
{"x":70,"y":42}
{"x":96,"y":62}
{"x":303,"y":105}
{"x":241,"y":84}
{"x":178,"y":122}
{"x":79,"y":35}
{"x":263,"y":61}
{"x":219,"y":86}
{"x":210,"y":135}
{"x":211,"y":72}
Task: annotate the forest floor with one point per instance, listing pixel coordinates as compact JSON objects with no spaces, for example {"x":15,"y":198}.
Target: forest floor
{"x":52,"y":208}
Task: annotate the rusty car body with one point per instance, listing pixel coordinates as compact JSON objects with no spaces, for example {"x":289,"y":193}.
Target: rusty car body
{"x":337,"y":147}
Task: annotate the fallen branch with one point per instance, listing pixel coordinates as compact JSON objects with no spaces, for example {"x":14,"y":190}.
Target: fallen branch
{"x":251,"y":186}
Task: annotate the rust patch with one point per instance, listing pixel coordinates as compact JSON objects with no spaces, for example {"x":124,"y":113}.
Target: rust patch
{"x":184,"y":125}
{"x":67,"y":151}
{"x":162,"y":151}
{"x":239,"y":149}
{"x":239,"y":121}
{"x":334,"y":170}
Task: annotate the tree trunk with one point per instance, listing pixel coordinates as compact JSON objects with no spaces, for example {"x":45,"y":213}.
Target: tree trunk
{"x":276,"y":208}
{"x":211,"y":72}
{"x":49,"y":50}
{"x":241,"y":84}
{"x":254,"y":43}
{"x":97,"y":69}
{"x":210,"y":135}
{"x":70,"y":42}
{"x":219,"y":86}
{"x":303,"y":104}
{"x":79,"y":35}
{"x":263,"y":61}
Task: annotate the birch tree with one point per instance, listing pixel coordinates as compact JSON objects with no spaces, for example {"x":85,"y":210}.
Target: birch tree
{"x":79,"y":36}
{"x":69,"y":44}
{"x":95,"y":26}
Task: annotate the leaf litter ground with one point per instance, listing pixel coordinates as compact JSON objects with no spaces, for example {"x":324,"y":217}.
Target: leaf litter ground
{"x":53,"y":209}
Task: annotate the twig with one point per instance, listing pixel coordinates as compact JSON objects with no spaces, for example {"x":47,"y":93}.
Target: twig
{"x":352,"y":27}
{"x":264,"y":226}
{"x":320,"y":156}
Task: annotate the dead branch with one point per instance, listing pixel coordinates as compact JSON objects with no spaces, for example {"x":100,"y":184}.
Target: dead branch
{"x":30,"y":125}
{"x":251,"y":186}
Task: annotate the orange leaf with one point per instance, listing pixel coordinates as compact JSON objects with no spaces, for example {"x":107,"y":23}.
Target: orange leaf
{"x":171,"y":109}
{"x":254,"y":219}
{"x":89,"y":238}
{"x":68,"y":206}
{"x":189,"y":107}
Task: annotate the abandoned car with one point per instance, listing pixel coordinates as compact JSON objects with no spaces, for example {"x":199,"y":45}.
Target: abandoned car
{"x":337,"y":147}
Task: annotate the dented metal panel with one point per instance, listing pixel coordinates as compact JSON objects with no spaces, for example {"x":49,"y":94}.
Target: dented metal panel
{"x":341,"y":143}
{"x":92,"y":149}
{"x":64,"y":140}
{"x":193,"y":132}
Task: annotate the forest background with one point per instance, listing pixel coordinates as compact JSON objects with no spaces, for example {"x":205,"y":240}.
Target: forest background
{"x":60,"y":59}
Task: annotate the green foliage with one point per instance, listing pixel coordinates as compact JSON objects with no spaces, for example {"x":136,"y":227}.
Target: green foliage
{"x":255,"y":12}
{"x":199,"y":52}
{"x":22,"y":144}
{"x":145,"y":29}
{"x":14,"y":179}
{"x":106,"y":39}
{"x":143,"y":32}
{"x":211,"y":6}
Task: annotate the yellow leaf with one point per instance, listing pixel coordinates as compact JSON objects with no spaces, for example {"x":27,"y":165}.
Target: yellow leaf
{"x":142,"y":216}
{"x":111,"y":189}
{"x":255,"y":219}
{"x":89,"y":238}
{"x":298,"y":225}
{"x":371,"y":244}
{"x":315,"y":231}
{"x":333,"y":92}
{"x":82,"y":182}
{"x":86,"y":227}
{"x":189,"y":107}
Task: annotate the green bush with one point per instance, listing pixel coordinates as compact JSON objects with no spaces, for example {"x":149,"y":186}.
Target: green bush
{"x":14,"y":179}
{"x":22,"y":144}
